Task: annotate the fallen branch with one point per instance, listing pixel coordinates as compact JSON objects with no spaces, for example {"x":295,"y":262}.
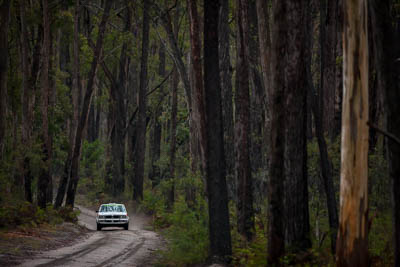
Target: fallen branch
{"x":385,"y":133}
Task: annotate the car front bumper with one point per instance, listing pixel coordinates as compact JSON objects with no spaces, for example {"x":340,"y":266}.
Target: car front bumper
{"x":112,"y":221}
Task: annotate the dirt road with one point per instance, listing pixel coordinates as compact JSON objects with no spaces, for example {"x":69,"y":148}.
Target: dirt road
{"x":109,"y":247}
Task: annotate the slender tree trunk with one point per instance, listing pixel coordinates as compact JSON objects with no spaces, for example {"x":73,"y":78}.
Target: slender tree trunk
{"x":279,"y":29}
{"x":91,"y":124}
{"x":29,"y":80}
{"x":4,"y":23}
{"x":265,"y":59}
{"x":265,"y":45}
{"x":339,"y":70}
{"x":198,"y":76}
{"x":386,"y":47}
{"x":325,"y":162}
{"x":352,"y":242}
{"x":219,"y":230}
{"x":242,"y":124}
{"x":227,"y":95}
{"x":141,"y":126}
{"x":73,"y":182}
{"x":297,"y":232}
{"x":155,"y":140}
{"x":118,"y":106}
{"x":172,"y":152}
{"x":176,"y":55}
{"x":75,"y":105}
{"x":44,"y":178}
{"x":329,"y":47}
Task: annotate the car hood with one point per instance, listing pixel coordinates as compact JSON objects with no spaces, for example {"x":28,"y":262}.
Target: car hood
{"x":112,"y":213}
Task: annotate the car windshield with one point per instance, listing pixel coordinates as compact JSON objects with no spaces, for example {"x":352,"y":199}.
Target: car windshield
{"x":112,"y":208}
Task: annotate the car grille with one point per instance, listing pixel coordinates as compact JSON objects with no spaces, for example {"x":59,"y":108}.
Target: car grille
{"x":113,"y":216}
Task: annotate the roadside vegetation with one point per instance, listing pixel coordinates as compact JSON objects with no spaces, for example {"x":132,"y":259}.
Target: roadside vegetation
{"x":229,"y":123}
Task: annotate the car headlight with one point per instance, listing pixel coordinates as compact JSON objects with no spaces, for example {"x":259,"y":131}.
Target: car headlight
{"x":102,"y":217}
{"x":124,"y":216}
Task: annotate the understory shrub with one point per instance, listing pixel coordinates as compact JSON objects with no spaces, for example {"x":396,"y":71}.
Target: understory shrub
{"x":26,"y":213}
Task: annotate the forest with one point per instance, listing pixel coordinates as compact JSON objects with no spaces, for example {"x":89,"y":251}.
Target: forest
{"x":253,"y":132}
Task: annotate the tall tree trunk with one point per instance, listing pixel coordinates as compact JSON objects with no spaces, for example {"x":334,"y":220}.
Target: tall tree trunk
{"x":176,"y":55}
{"x":386,"y":47}
{"x":325,"y":162}
{"x":172,"y":152}
{"x":297,"y":232}
{"x":219,"y":230}
{"x":242,"y":124}
{"x":44,"y":178}
{"x":73,"y":182}
{"x":155,"y":140}
{"x":329,"y":66}
{"x":118,"y":93}
{"x":198,"y":89}
{"x":227,"y":95}
{"x":279,"y":29}
{"x":4,"y":23}
{"x":141,"y":125}
{"x":91,"y":123}
{"x":29,"y":80}
{"x":257,"y":95}
{"x":264,"y":42}
{"x":339,"y":70}
{"x":352,"y":242}
{"x":265,"y":46}
{"x":75,"y":105}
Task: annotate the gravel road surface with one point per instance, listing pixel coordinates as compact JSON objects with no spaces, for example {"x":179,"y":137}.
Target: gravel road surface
{"x":109,"y":247}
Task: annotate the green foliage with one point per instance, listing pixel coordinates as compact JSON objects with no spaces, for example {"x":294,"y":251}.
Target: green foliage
{"x":188,"y":235}
{"x":250,"y":253}
{"x":92,"y":169}
{"x":185,"y":225}
{"x":28,"y":214}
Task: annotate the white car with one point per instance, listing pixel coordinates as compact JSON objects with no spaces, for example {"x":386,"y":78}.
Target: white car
{"x":112,"y":215}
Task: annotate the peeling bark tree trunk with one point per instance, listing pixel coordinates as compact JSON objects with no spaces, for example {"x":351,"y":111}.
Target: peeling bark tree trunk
{"x":45,"y":177}
{"x":4,"y":22}
{"x":75,"y":105}
{"x":73,"y":182}
{"x":386,"y":47}
{"x":141,"y":125}
{"x":227,"y":96}
{"x":219,"y":230}
{"x":352,"y":242}
{"x":297,"y":230}
{"x":276,"y":244}
{"x":242,"y":124}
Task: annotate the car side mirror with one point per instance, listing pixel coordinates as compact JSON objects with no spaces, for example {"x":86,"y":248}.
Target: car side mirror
{"x":97,"y":211}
